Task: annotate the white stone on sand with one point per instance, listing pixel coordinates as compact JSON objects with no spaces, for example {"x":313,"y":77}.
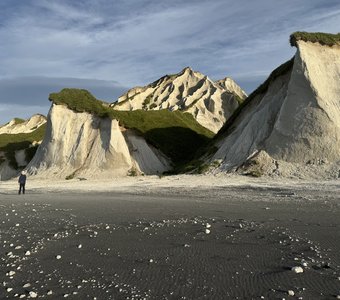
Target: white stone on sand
{"x":297,"y":269}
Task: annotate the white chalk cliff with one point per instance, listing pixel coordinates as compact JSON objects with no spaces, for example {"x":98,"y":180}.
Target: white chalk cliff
{"x":211,"y":103}
{"x":31,"y":124}
{"x":295,"y":120}
{"x":82,"y":144}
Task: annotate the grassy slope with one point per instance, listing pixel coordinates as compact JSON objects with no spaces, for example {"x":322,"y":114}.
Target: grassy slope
{"x":328,"y":39}
{"x":9,"y":143}
{"x":176,"y":134}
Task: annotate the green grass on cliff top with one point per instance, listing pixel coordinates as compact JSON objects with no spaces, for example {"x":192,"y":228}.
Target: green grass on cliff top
{"x":178,"y":135}
{"x":322,"y":38}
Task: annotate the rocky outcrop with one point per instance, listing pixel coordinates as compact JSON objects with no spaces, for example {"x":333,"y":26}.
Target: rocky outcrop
{"x":82,"y":144}
{"x":294,"y":117}
{"x":19,"y":140}
{"x":23,"y":126}
{"x":211,"y":103}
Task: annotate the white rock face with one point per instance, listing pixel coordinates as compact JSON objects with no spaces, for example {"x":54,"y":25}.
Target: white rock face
{"x":231,"y":86}
{"x":211,"y":103}
{"x":28,"y":126}
{"x":6,"y":172}
{"x":81,"y":144}
{"x":297,"y":119}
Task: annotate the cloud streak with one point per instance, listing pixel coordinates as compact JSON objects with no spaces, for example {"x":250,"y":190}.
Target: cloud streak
{"x":137,"y":41}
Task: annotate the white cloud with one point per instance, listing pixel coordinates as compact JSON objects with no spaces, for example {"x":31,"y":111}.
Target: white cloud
{"x":135,"y":42}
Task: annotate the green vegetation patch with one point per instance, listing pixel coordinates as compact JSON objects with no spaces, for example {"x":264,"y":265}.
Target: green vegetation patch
{"x":18,"y":121}
{"x":10,"y":143}
{"x":328,"y":39}
{"x":178,"y":135}
{"x":80,"y":101}
{"x":147,"y":101}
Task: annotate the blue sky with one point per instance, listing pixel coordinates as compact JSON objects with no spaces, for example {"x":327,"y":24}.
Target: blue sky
{"x":109,"y":46}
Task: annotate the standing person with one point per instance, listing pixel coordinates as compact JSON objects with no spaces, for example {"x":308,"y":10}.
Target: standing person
{"x":22,"y":182}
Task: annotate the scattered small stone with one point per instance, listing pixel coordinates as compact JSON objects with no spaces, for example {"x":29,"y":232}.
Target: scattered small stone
{"x":207,"y":231}
{"x":26,"y":285}
{"x":49,"y":292}
{"x":151,"y":260}
{"x":28,"y":253}
{"x":9,"y":290}
{"x":80,"y":246}
{"x":11,"y":273}
{"x":207,"y":225}
{"x":297,"y":269}
{"x":58,"y":257}
{"x":291,"y":293}
{"x":33,"y":294}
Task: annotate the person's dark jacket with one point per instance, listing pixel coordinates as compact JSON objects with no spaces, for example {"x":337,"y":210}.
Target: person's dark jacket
{"x":22,"y":179}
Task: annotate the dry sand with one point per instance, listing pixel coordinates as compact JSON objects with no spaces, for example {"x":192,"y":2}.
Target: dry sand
{"x":148,"y":238}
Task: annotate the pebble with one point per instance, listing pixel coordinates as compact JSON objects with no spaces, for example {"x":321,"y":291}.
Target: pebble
{"x":49,"y":292}
{"x":27,"y":253}
{"x":207,"y":231}
{"x":58,"y":257}
{"x":33,"y":294}
{"x":291,"y":293}
{"x":297,"y":270}
{"x":80,"y":246}
{"x":26,"y":285}
{"x":9,"y":290}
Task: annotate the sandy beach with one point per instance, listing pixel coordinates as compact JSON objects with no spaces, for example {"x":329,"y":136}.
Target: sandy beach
{"x":177,"y":237}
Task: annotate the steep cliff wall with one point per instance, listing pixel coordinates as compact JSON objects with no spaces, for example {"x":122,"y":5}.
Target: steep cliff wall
{"x":294,"y":117}
{"x":82,"y":144}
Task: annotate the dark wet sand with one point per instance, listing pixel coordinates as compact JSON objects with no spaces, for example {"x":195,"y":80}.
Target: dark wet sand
{"x":155,"y":246}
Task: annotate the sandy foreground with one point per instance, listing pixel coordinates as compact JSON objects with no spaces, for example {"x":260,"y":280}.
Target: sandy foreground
{"x":177,"y":237}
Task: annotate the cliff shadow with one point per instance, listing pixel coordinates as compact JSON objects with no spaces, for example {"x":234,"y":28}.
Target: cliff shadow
{"x":178,"y":143}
